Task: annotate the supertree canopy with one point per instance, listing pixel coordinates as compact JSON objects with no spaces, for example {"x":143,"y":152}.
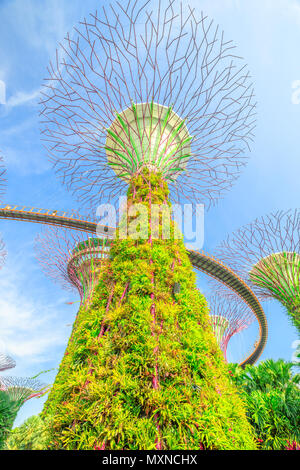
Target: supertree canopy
{"x":148,"y":84}
{"x":148,"y":96}
{"x":228,"y":317}
{"x":72,"y":259}
{"x":266,"y":254}
{"x":6,"y":362}
{"x":14,"y":392}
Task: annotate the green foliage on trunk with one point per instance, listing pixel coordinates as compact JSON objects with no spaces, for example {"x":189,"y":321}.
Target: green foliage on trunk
{"x":142,"y":369}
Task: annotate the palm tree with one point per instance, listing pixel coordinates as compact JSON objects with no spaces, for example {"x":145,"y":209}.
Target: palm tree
{"x":31,"y":435}
{"x":272,"y":396}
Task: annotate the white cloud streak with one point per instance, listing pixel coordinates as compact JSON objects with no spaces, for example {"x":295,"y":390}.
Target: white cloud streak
{"x":21,"y":98}
{"x":28,"y":326}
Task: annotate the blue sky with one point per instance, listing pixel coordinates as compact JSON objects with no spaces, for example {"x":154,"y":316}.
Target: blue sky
{"x":34,"y":318}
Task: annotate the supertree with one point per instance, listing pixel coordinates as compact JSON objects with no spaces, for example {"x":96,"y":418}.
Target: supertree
{"x":2,"y":176}
{"x":228,"y":318}
{"x":266,"y":254}
{"x":14,"y":392}
{"x":72,"y":259}
{"x":150,"y":98}
{"x":6,"y":362}
{"x":3,"y":253}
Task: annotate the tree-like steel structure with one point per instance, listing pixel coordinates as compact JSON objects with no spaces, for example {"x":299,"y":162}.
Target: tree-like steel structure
{"x":14,"y":392}
{"x":148,"y":84}
{"x":72,"y":259}
{"x":266,"y":254}
{"x":150,"y":98}
{"x":6,"y":362}
{"x":228,"y":317}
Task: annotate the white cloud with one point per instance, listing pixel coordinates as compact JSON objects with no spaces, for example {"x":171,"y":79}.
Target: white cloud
{"x":28,"y":326}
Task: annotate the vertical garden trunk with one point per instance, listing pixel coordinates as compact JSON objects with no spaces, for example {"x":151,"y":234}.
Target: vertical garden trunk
{"x":8,"y":411}
{"x":143,"y":369}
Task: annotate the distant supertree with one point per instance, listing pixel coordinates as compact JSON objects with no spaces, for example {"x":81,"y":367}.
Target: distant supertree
{"x":266,"y":254}
{"x":72,"y":259}
{"x":21,"y":389}
{"x":148,"y":84}
{"x":6,"y":362}
{"x":228,"y":317}
{"x":14,"y":392}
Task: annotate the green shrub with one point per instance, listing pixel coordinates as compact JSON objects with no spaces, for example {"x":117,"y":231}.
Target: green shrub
{"x":31,"y":435}
{"x":272,"y":397}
